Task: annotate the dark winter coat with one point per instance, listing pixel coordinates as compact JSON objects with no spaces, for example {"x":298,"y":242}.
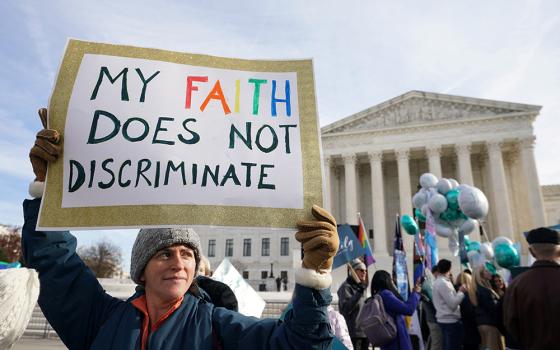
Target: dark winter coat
{"x":487,"y":309}
{"x":85,"y":317}
{"x":351,"y":298}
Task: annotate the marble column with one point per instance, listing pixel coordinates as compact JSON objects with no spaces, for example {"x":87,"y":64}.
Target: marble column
{"x":327,"y":194}
{"x":529,"y":166}
{"x":405,"y":199}
{"x":501,"y":205}
{"x":465,"y":169}
{"x":350,"y":188}
{"x":378,"y":203}
{"x":434,"y":159}
{"x":405,"y":195}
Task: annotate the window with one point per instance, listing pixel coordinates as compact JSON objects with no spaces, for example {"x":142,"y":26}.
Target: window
{"x":284,"y":246}
{"x":211,"y":247}
{"x":247,"y":247}
{"x":265,"y":251}
{"x":229,"y":247}
{"x":246,"y":275}
{"x":264,"y":274}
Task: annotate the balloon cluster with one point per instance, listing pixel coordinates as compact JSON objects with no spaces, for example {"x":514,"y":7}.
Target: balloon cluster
{"x":500,"y":252}
{"x":454,"y":208}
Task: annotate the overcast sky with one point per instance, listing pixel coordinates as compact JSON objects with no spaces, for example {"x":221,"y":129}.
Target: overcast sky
{"x":364,"y":52}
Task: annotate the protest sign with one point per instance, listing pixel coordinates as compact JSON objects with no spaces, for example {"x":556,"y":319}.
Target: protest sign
{"x":349,"y":248}
{"x":160,"y":138}
{"x":249,"y":301}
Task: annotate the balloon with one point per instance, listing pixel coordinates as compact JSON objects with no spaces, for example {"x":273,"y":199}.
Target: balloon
{"x":490,"y":267}
{"x":419,"y":199}
{"x":409,"y":225}
{"x":473,"y":246}
{"x":443,"y":231}
{"x":443,"y":186}
{"x":506,"y":255}
{"x":475,"y":259}
{"x":473,"y":203}
{"x":501,"y":240}
{"x":452,"y":199}
{"x":468,"y":226}
{"x":453,"y":244}
{"x":428,"y":180}
{"x":449,"y":215}
{"x":425,"y":210}
{"x":438,"y":203}
{"x":454,"y":183}
{"x":487,"y":251}
{"x":419,"y":215}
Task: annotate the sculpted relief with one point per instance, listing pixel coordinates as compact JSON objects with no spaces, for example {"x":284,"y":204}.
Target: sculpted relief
{"x":420,"y":110}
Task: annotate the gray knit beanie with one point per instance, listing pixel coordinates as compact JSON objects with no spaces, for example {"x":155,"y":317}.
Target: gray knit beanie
{"x":150,"y":241}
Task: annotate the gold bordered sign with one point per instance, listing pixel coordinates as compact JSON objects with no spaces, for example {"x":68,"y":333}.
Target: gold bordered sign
{"x":161,"y":138}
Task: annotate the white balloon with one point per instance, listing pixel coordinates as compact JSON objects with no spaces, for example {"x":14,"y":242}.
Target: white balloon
{"x":475,"y":259}
{"x":468,"y":226}
{"x":453,"y":244}
{"x":425,"y":210}
{"x":486,"y":250}
{"x":443,"y":186}
{"x":500,"y":240}
{"x":454,"y":183}
{"x":428,"y":180}
{"x":419,"y":199}
{"x":438,"y":203}
{"x":443,"y":231}
{"x":473,"y":203}
{"x":461,"y":186}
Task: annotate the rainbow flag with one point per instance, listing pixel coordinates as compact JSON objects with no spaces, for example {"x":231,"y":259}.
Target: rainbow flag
{"x":362,"y":237}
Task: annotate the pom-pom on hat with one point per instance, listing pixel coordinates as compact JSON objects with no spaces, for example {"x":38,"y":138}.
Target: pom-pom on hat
{"x":150,"y":241}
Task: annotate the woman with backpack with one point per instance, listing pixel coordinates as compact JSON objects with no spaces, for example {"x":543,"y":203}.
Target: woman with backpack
{"x":395,"y":307}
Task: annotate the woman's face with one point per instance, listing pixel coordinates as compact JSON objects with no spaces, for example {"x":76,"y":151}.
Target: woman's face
{"x":486,"y":274}
{"x":498,"y":281}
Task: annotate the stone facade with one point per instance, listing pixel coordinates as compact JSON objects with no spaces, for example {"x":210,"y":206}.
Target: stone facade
{"x":551,"y":196}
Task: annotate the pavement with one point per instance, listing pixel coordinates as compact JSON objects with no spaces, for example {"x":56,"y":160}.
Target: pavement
{"x":38,"y":344}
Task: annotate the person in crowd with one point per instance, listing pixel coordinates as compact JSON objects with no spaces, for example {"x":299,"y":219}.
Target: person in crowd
{"x":531,"y":302}
{"x":485,"y":301}
{"x":471,"y":337}
{"x":446,"y":302}
{"x":435,"y":339}
{"x":498,"y":285}
{"x":168,"y":311}
{"x":340,"y":329}
{"x":382,"y":284}
{"x":351,"y":298}
{"x":204,"y":267}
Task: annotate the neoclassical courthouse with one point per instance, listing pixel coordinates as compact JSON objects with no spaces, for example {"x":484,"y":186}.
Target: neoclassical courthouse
{"x":372,"y":162}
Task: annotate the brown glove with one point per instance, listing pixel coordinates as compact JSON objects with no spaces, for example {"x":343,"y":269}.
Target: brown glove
{"x":46,"y":148}
{"x":319,"y":239}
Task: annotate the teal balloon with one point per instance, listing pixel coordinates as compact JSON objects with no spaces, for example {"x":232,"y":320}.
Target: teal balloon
{"x":474,"y":245}
{"x":453,"y":199}
{"x":419,"y":215}
{"x":506,"y":255}
{"x":490,"y":267}
{"x":409,"y":225}
{"x":449,"y":215}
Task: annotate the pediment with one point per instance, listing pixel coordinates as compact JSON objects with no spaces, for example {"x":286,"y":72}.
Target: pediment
{"x":417,"y":107}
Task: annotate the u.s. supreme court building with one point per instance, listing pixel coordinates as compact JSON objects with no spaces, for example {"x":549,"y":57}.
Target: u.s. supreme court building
{"x":372,"y":162}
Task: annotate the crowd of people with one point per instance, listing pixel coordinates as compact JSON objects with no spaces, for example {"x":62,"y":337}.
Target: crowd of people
{"x":474,"y":311}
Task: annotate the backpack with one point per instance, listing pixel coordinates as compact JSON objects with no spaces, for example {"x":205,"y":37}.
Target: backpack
{"x":378,"y":326}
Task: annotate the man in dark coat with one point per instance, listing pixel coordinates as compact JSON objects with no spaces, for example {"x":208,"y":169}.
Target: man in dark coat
{"x":351,"y":298}
{"x":531,"y":303}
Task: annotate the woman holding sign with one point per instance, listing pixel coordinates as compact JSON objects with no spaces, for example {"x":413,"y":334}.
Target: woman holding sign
{"x":169,"y":310}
